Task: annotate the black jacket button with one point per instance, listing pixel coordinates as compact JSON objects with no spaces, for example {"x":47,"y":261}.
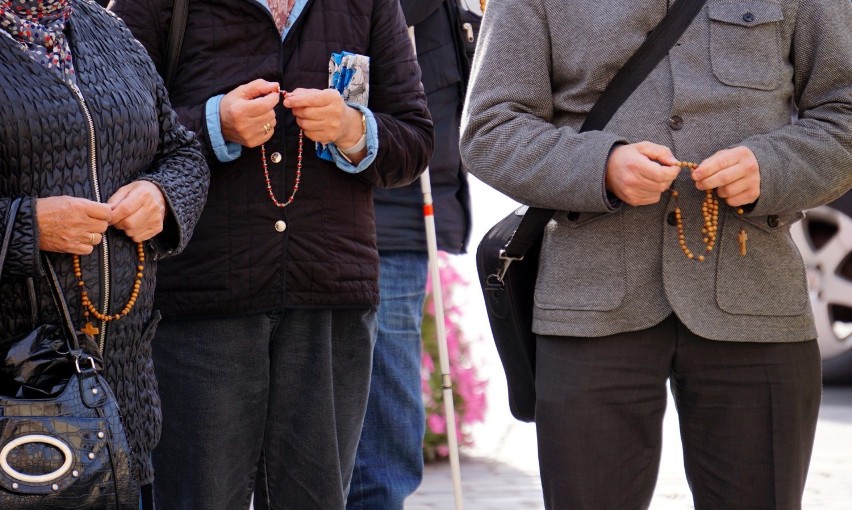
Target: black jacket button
{"x":573,"y":216}
{"x":772,"y":221}
{"x":748,"y":17}
{"x":671,"y":219}
{"x":675,"y":122}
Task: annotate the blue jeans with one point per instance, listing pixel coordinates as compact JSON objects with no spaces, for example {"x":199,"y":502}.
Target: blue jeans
{"x":269,"y":403}
{"x":389,"y":464}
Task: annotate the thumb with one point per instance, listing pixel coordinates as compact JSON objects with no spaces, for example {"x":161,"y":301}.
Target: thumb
{"x":258,"y":88}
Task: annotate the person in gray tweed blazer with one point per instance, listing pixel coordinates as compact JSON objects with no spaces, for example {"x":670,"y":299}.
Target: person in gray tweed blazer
{"x":758,"y":93}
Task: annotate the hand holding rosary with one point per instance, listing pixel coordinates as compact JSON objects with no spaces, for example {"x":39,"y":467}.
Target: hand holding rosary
{"x":710,"y":215}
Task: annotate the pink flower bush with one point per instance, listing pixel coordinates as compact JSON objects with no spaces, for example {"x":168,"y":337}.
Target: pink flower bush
{"x":468,"y":386}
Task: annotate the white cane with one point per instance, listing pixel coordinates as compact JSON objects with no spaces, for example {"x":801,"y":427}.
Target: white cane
{"x":438,"y":300}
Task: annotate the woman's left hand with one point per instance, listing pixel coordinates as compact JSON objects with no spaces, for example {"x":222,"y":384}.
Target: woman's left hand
{"x":139,"y":209}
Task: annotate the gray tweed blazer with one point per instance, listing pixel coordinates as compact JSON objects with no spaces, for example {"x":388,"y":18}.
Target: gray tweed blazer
{"x":737,"y":76}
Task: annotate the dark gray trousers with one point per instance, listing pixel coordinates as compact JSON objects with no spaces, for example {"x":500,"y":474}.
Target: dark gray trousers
{"x":747,"y":414}
{"x":270,"y":404}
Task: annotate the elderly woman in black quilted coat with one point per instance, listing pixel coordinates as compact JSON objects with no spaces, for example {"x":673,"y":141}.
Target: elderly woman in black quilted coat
{"x":89,"y":141}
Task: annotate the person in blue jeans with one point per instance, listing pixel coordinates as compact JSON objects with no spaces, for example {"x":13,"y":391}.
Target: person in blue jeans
{"x":389,"y":461}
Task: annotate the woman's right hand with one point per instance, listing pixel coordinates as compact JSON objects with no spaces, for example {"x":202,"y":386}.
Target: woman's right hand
{"x":70,"y":224}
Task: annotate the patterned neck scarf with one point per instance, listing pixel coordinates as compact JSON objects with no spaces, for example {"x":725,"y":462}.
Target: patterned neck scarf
{"x":38,"y":27}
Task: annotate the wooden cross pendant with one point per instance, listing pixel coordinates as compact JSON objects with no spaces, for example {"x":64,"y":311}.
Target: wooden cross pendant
{"x":742,"y":238}
{"x":89,"y":329}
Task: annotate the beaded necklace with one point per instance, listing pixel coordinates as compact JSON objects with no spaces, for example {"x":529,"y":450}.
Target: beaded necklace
{"x":89,"y":308}
{"x":710,"y":214}
{"x":272,"y":197}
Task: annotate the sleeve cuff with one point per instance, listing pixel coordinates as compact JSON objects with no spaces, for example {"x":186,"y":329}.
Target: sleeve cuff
{"x":372,"y":144}
{"x":224,"y":151}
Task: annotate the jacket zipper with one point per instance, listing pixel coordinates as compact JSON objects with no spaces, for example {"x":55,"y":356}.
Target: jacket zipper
{"x":93,"y":162}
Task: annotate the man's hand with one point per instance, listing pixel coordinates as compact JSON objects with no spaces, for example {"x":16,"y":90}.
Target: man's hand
{"x":246,"y":113}
{"x":325,"y":117}
{"x":639,"y":173}
{"x":733,"y":172}
{"x":138,"y":208}
{"x":70,"y":224}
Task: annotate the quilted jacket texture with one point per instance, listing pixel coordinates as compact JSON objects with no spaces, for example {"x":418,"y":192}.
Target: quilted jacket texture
{"x":45,"y":151}
{"x":326,"y":258}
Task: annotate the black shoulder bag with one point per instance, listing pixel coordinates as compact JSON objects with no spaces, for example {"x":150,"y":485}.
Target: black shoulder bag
{"x":507,"y":257}
{"x":62,"y":443}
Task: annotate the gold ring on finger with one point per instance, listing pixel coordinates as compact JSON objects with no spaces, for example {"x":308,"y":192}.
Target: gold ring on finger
{"x":93,"y":238}
{"x":266,"y":128}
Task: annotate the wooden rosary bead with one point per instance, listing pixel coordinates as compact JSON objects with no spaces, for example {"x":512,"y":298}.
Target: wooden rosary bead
{"x":710,"y":217}
{"x":90,"y":310}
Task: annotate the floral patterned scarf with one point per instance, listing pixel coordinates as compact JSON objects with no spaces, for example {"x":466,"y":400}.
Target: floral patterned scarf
{"x":38,"y":27}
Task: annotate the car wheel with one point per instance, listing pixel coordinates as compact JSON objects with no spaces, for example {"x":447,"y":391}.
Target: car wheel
{"x":824,"y":238}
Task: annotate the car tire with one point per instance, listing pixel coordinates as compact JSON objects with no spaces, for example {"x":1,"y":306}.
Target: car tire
{"x":824,"y":238}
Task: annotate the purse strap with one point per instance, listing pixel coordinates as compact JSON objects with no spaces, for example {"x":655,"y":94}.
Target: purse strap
{"x":61,"y":305}
{"x":626,"y":80}
{"x":7,"y":234}
{"x":177,"y":27}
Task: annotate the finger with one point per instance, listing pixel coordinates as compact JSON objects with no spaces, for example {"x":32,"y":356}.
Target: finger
{"x":715,"y":163}
{"x":258,"y":107}
{"x":93,"y":238}
{"x":656,"y":152}
{"x":124,"y":209}
{"x":118,"y":196}
{"x":96,"y":210}
{"x":740,"y":199}
{"x":722,"y":177}
{"x":257,"y":88}
{"x":142,"y":226}
{"x":312,"y":98}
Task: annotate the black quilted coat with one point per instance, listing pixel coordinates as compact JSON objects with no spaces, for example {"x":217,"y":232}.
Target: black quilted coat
{"x":52,"y":143}
{"x":326,"y":257}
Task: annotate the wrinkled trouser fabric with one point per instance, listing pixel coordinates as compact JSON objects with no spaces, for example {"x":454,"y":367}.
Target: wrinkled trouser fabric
{"x":270,"y":404}
{"x":747,"y":413}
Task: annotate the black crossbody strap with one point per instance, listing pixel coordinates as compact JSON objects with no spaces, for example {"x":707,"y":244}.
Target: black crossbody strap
{"x":177,"y":27}
{"x":625,"y":81}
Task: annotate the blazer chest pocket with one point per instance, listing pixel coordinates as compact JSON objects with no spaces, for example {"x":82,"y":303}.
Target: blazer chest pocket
{"x":745,"y":43}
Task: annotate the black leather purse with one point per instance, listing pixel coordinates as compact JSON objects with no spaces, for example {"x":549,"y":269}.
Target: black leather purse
{"x":62,"y":443}
{"x":507,"y":257}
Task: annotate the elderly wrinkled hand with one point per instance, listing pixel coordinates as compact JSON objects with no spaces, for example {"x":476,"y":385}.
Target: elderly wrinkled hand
{"x":247,"y":113}
{"x":139,"y":209}
{"x":325,"y":117}
{"x":70,"y":224}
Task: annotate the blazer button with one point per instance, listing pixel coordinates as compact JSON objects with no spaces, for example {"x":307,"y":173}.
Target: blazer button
{"x":671,"y":219}
{"x":573,"y":216}
{"x":772,"y":221}
{"x":675,"y":122}
{"x":748,"y":17}
{"x":275,"y":157}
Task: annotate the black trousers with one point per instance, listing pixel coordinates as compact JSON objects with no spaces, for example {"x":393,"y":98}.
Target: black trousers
{"x":747,"y":413}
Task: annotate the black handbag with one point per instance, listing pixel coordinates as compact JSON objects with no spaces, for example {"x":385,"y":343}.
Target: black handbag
{"x":62,"y":443}
{"x":507,"y":256}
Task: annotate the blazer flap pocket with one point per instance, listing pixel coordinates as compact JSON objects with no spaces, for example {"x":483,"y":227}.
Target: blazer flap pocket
{"x":747,"y":14}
